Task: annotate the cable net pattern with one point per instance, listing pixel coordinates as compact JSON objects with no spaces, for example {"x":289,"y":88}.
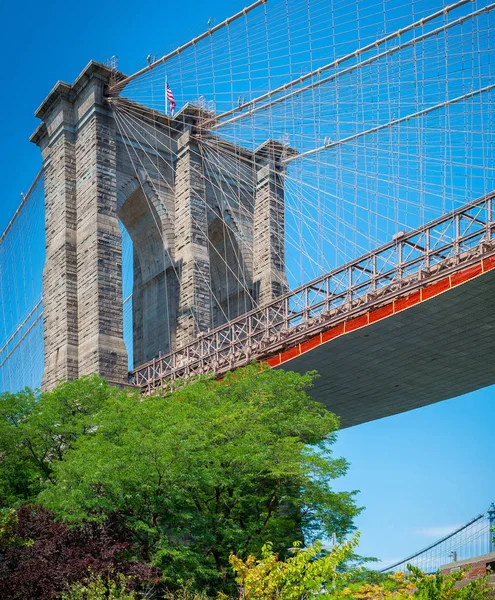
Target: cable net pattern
{"x":383,"y":114}
{"x":22,"y":256}
{"x":385,"y":109}
{"x":473,"y":539}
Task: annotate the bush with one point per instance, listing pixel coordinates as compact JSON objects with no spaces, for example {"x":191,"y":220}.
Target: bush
{"x":58,"y":556}
{"x":100,"y":588}
{"x":419,"y":586}
{"x":183,"y":478}
{"x":305,"y":574}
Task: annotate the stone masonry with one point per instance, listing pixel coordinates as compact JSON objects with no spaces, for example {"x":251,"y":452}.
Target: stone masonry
{"x":191,"y":241}
{"x":269,"y":217}
{"x":208,"y":234}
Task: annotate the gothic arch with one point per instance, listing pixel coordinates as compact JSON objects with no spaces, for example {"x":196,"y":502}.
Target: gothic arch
{"x":144,"y":215}
{"x":230,"y":282}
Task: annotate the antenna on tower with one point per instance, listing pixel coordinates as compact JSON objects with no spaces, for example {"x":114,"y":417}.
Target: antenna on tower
{"x":113,"y":62}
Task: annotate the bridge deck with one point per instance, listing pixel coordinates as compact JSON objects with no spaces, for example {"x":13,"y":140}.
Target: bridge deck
{"x":406,"y":325}
{"x":434,"y":350}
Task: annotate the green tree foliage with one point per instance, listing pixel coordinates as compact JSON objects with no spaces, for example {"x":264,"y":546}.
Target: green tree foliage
{"x":446,"y":587}
{"x":8,"y":525}
{"x":309,"y":574}
{"x":305,"y":574}
{"x":101,"y":588}
{"x":417,"y":585}
{"x":212,"y":468}
{"x":38,"y":429}
{"x":360,"y":575}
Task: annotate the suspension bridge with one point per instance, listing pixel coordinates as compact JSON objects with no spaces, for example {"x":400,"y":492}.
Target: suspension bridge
{"x":306,"y":184}
{"x":465,"y":546}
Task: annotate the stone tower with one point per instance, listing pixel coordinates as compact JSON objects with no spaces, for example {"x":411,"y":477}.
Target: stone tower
{"x":181,"y":210}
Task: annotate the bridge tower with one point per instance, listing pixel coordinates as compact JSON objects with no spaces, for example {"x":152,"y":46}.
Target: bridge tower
{"x":491,"y":520}
{"x":94,"y":177}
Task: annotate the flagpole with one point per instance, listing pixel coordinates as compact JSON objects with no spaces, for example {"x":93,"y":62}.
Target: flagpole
{"x":166,"y":94}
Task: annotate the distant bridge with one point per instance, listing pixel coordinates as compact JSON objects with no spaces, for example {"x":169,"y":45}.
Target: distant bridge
{"x":473,"y":539}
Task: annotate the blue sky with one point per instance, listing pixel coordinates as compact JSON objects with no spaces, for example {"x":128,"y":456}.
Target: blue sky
{"x":420,"y":472}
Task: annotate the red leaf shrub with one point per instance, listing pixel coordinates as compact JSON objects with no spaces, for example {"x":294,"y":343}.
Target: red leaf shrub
{"x":59,"y":556}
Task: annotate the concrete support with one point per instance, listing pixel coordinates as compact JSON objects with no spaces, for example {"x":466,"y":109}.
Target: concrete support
{"x":269,"y":276}
{"x":60,"y":272}
{"x":99,"y":249}
{"x":191,"y":251}
{"x":82,"y":278}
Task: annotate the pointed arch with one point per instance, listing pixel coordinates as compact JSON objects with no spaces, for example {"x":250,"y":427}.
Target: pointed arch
{"x":146,"y":218}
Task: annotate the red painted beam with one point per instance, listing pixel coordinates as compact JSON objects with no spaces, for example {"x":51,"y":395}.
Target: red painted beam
{"x":385,"y":311}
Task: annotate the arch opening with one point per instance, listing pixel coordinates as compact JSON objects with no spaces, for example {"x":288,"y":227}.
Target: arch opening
{"x":149,"y":316}
{"x":231,"y":284}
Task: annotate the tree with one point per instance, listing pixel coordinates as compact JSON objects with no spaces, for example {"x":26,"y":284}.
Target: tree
{"x":309,"y":575}
{"x":56,"y":556}
{"x":304,"y":575}
{"x":445,"y":587}
{"x":38,"y":429}
{"x":212,"y":468}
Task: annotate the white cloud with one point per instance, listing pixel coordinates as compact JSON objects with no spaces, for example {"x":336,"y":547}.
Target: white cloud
{"x":383,"y":564}
{"x":437,"y":532}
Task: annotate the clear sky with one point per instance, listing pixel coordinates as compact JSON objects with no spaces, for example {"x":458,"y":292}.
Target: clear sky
{"x":419,"y":473}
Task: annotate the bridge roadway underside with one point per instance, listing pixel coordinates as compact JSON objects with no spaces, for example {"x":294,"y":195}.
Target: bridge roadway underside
{"x":438,"y":349}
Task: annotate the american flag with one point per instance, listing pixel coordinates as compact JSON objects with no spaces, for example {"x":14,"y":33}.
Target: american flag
{"x":171,"y":100}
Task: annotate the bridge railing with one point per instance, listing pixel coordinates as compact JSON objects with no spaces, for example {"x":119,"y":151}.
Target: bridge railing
{"x":410,"y":260}
{"x":22,"y":256}
{"x":473,"y":539}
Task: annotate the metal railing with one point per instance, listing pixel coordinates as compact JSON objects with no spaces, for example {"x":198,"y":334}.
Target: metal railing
{"x":411,"y":260}
{"x":468,"y":541}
